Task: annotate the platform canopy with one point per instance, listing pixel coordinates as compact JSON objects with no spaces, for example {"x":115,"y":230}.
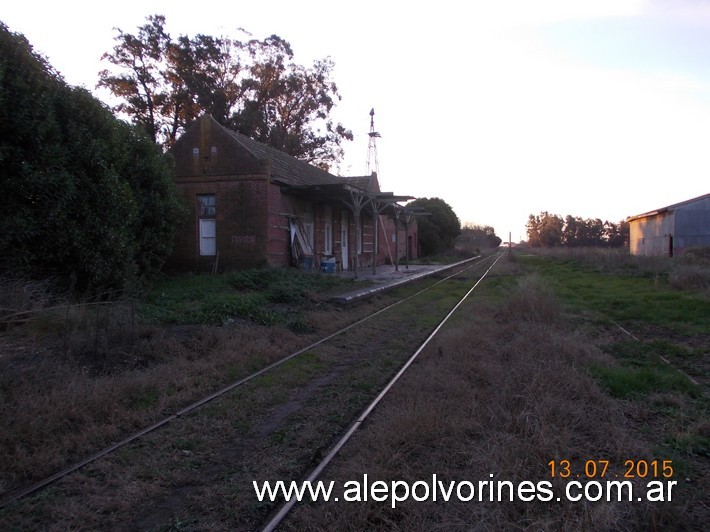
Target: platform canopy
{"x":354,"y":197}
{"x":359,"y":200}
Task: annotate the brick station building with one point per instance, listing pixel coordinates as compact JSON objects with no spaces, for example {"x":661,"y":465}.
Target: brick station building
{"x":251,"y":205}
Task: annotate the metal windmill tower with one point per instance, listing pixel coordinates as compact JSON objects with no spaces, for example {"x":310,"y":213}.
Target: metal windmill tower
{"x":372,"y":164}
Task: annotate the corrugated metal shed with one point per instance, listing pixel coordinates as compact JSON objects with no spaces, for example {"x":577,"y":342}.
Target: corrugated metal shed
{"x":671,"y":230}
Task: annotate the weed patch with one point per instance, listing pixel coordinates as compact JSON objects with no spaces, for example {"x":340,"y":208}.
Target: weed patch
{"x":475,"y":407}
{"x":630,"y":382}
{"x":690,"y":277}
{"x":255,"y":295}
{"x":532,"y":300}
{"x":629,"y":299}
{"x":694,"y":441}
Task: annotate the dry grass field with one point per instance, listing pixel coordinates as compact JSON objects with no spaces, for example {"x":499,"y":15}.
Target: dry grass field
{"x":75,"y":378}
{"x":515,"y":383}
{"x":579,"y":356}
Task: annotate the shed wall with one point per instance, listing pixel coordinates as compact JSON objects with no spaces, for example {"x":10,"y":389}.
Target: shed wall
{"x":673,"y":231}
{"x":692,"y":228}
{"x":651,"y":235}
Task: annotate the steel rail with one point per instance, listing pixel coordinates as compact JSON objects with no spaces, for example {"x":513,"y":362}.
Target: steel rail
{"x":24,"y":492}
{"x":288,"y":505}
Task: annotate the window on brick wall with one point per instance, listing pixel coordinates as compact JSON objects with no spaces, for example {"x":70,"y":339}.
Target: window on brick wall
{"x":207,"y":225}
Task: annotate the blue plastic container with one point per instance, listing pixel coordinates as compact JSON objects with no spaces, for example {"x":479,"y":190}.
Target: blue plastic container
{"x":327,"y":266}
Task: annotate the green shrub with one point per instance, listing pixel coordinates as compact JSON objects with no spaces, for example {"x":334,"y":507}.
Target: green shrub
{"x":86,"y":197}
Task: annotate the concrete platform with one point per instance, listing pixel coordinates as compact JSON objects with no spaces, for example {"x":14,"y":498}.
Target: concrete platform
{"x":386,"y":277}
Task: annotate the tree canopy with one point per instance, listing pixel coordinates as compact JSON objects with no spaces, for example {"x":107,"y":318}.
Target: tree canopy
{"x":436,"y":232}
{"x":477,"y":237}
{"x":86,"y":196}
{"x":253,"y":86}
{"x":551,"y":230}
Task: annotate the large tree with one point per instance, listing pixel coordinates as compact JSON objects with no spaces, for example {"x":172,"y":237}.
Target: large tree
{"x":252,"y":86}
{"x":437,"y":230}
{"x":545,"y":230}
{"x":140,"y":85}
{"x":86,"y":197}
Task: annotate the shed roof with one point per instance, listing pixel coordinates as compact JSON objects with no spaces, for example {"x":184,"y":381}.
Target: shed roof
{"x":669,"y":208}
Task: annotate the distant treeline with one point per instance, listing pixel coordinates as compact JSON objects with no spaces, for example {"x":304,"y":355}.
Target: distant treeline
{"x":551,"y":230}
{"x":477,"y":237}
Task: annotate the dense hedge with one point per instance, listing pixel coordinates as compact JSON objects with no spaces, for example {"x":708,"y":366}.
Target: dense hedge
{"x":85,"y":196}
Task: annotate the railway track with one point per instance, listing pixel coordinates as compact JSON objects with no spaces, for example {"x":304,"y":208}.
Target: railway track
{"x":288,"y":505}
{"x":281,"y":432}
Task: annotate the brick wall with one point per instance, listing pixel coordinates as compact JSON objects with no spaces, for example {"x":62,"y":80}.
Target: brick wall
{"x":252,"y":226}
{"x":241,"y":223}
{"x":209,"y":150}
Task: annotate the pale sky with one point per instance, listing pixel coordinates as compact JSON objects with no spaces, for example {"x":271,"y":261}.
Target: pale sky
{"x":502,"y":108}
